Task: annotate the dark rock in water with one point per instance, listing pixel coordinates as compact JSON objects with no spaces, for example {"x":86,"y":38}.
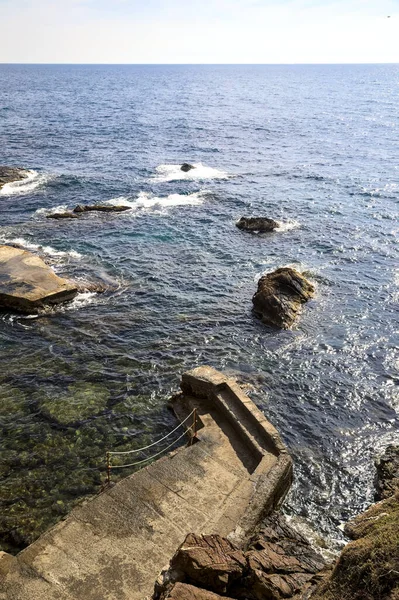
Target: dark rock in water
{"x":27,"y":284}
{"x":280,"y":296}
{"x":10,"y":174}
{"x":80,"y":208}
{"x":257,"y":224}
{"x":63,"y":215}
{"x":186,"y":167}
{"x":387,"y":478}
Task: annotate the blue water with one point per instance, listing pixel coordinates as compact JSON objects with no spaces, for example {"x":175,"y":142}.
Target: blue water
{"x":315,"y":147}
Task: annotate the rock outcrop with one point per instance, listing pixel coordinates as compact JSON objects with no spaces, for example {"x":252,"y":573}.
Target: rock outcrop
{"x":280,"y":295}
{"x":27,"y":284}
{"x":186,"y":167}
{"x":280,"y":563}
{"x":368,"y":567}
{"x":10,"y":174}
{"x":253,"y":224}
{"x":184,"y":591}
{"x":81,"y":208}
{"x":387,"y":477}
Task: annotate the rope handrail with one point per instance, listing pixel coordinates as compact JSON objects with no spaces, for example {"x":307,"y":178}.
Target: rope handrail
{"x":154,"y":443}
{"x":139,"y":462}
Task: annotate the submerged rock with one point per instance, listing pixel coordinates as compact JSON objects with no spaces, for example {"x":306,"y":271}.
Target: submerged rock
{"x":280,"y":295}
{"x":256,"y":224}
{"x":10,"y":174}
{"x":186,"y":167}
{"x":80,"y":208}
{"x":62,"y":215}
{"x":28,"y":284}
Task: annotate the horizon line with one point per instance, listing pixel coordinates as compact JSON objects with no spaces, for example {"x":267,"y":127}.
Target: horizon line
{"x":216,"y":64}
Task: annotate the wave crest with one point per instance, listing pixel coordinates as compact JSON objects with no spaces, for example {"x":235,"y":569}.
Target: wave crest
{"x":146,"y":201}
{"x":32,"y":181}
{"x":167,"y":173}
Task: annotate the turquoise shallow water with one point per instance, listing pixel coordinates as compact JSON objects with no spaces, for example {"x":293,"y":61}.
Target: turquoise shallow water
{"x":315,"y":147}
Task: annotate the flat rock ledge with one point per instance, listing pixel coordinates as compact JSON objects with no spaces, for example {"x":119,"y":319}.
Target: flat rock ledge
{"x":27,"y":284}
{"x":10,"y":174}
{"x":280,"y":295}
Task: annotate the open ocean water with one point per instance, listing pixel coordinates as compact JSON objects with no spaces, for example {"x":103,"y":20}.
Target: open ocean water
{"x":314,"y":147}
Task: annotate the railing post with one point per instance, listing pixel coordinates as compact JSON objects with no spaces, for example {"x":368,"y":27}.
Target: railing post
{"x":108,"y":469}
{"x":194,"y":427}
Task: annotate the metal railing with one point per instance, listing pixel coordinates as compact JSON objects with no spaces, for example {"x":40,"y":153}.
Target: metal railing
{"x":191,"y":430}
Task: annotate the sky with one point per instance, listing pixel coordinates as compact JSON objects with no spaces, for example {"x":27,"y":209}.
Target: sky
{"x":192,"y":31}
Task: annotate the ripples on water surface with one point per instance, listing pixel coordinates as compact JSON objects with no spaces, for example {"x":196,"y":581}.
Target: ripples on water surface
{"x":315,"y":147}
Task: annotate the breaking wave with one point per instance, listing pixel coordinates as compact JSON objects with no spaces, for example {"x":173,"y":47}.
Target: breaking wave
{"x":32,"y":181}
{"x":173,"y":173}
{"x":287,"y":225}
{"x":146,"y":201}
{"x":43,"y":249}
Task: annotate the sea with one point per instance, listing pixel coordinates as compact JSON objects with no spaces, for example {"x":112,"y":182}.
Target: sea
{"x":315,"y":147}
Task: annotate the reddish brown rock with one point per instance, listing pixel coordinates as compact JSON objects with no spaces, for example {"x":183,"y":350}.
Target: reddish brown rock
{"x":280,"y":296}
{"x":184,"y":591}
{"x":209,"y":561}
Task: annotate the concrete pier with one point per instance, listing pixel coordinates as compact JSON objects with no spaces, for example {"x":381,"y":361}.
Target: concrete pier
{"x":113,"y":546}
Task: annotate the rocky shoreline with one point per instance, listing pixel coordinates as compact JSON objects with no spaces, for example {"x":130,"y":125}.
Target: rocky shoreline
{"x":278,"y":562}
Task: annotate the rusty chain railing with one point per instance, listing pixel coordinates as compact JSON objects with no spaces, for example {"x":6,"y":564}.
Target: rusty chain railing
{"x":192,"y":430}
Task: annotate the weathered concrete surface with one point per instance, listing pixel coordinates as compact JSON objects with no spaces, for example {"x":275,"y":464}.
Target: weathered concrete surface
{"x":114,"y":546}
{"x":27,"y":283}
{"x":10,"y":174}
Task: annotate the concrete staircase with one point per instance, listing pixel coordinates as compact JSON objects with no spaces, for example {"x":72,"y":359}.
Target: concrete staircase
{"x":113,"y":546}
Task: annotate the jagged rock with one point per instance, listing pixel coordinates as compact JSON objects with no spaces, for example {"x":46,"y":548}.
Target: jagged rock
{"x":184,"y":591}
{"x":27,"y":283}
{"x":256,"y":224}
{"x":80,"y":208}
{"x":186,"y":167}
{"x":387,"y":477}
{"x":280,"y":563}
{"x":10,"y":174}
{"x":209,"y":561}
{"x":62,"y":215}
{"x":280,"y":295}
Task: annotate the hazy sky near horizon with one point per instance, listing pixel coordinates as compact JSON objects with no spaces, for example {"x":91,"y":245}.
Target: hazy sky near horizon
{"x":210,"y":31}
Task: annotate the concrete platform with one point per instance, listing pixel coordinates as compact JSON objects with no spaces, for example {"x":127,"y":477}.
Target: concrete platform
{"x":28,"y":284}
{"x":113,"y":546}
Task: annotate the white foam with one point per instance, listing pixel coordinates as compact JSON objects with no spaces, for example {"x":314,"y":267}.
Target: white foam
{"x":32,"y":181}
{"x":82,"y":299}
{"x":287,"y":225}
{"x":146,"y":201}
{"x":50,"y":211}
{"x":174,"y":173}
{"x":43,"y":249}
